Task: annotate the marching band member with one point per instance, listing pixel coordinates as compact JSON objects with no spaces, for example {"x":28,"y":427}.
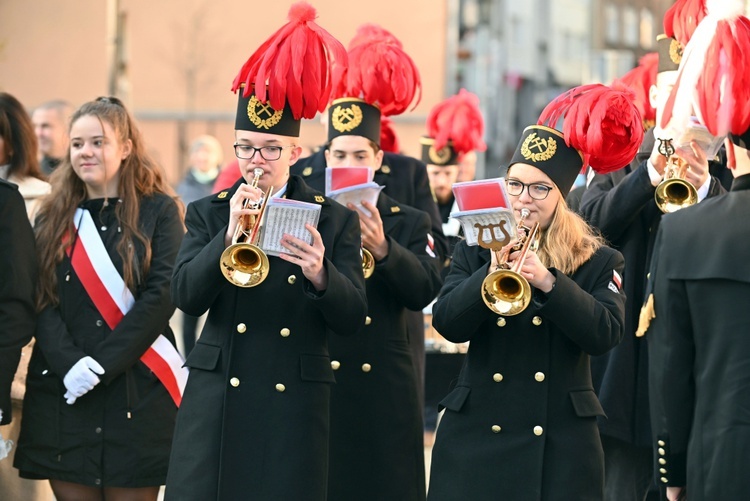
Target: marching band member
{"x":698,"y":345}
{"x":521,"y":422}
{"x":375,"y":403}
{"x":105,"y":378}
{"x":254,"y":423}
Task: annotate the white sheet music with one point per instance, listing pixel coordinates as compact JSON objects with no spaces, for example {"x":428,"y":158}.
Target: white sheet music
{"x":286,"y":216}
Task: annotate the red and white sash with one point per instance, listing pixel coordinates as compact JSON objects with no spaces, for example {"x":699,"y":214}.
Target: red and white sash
{"x":113,"y":299}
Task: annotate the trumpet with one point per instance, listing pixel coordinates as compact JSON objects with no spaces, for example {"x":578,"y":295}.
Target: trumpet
{"x":243,"y":263}
{"x":368,"y":263}
{"x":674,"y":192}
{"x":505,"y":291}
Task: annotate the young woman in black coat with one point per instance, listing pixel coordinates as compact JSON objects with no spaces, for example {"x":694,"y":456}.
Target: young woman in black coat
{"x":97,"y":421}
{"x":521,"y":422}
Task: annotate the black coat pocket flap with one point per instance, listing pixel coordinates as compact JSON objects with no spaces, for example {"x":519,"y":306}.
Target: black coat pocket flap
{"x":586,"y":404}
{"x":316,"y":368}
{"x":455,"y":399}
{"x":203,"y":356}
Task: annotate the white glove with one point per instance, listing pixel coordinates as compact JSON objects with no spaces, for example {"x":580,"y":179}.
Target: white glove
{"x":5,"y":445}
{"x":81,"y":378}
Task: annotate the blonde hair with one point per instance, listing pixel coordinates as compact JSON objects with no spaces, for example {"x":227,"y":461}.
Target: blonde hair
{"x":568,"y":241}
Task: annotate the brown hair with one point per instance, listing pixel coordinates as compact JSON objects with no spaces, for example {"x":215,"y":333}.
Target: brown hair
{"x":17,"y":131}
{"x":569,"y":241}
{"x":139,"y":177}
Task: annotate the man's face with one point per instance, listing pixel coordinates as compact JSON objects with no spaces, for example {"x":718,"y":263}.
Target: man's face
{"x":353,"y":151}
{"x":442,"y":179}
{"x":275,"y":172}
{"x":49,"y":126}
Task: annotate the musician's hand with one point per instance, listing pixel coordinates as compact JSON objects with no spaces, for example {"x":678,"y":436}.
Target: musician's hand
{"x":244,"y":192}
{"x":534,"y":271}
{"x":658,"y":160}
{"x":697,"y":169}
{"x":373,"y":236}
{"x":308,"y":257}
{"x":673,"y":493}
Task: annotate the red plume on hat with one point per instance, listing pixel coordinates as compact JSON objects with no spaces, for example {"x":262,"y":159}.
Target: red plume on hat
{"x":295,"y":63}
{"x":388,"y":137}
{"x":712,"y":78}
{"x":457,"y":120}
{"x":599,"y":121}
{"x":682,"y":18}
{"x":379,"y":72}
{"x":639,"y":80}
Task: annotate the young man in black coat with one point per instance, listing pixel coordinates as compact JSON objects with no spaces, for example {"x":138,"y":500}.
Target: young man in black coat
{"x":254,"y":420}
{"x":17,"y":282}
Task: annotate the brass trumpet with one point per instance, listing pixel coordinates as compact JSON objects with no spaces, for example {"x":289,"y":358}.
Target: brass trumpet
{"x":368,"y":263}
{"x":243,"y":263}
{"x":674,"y":192}
{"x":505,"y":291}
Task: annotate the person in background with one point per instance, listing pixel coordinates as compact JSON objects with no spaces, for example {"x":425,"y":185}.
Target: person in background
{"x":51,"y":128}
{"x":205,"y":161}
{"x":105,"y":378}
{"x":520,"y":422}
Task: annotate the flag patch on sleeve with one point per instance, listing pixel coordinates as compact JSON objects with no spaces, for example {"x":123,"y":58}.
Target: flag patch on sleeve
{"x":430,"y":248}
{"x":616,"y":283}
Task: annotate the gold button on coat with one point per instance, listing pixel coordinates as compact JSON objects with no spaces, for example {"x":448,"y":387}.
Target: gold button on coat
{"x":291,"y":279}
{"x":661,"y":443}
{"x":368,"y":320}
{"x":539,"y":376}
{"x":661,"y":452}
{"x":366,"y":367}
{"x":501,"y":322}
{"x":280,"y":388}
{"x":538,"y":430}
{"x":662,"y":461}
{"x":663,"y":471}
{"x":385,"y":169}
{"x":335,"y":364}
{"x":234,"y":382}
{"x":497,"y":377}
{"x":496,"y":428}
{"x":241,"y":328}
{"x":664,"y":480}
{"x":537,"y":320}
{"x":285,"y":332}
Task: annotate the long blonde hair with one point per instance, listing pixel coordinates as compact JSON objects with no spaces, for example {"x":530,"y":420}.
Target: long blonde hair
{"x":568,"y":241}
{"x":139,"y":177}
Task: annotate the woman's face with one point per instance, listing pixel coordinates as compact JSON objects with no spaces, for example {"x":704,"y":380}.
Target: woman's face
{"x":537,"y":185}
{"x":96,"y":154}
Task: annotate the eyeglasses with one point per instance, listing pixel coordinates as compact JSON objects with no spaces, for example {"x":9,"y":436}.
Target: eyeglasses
{"x":537,"y":191}
{"x":247,"y":152}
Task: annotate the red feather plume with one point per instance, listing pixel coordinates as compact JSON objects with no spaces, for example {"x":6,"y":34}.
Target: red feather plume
{"x":388,"y":137}
{"x":457,"y":119}
{"x":639,"y":80}
{"x":294,"y":65}
{"x":379,"y":71}
{"x":599,"y":121}
{"x":682,"y":18}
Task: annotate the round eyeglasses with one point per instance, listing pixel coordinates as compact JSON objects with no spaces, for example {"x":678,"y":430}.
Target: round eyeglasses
{"x":537,"y":191}
{"x":269,"y":153}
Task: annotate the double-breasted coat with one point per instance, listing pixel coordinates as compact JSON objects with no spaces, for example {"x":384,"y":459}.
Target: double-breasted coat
{"x":18,"y":273}
{"x":377,"y":449}
{"x":118,"y":434}
{"x":699,"y":347}
{"x":254,"y":419}
{"x":621,"y":204}
{"x":521,"y":422}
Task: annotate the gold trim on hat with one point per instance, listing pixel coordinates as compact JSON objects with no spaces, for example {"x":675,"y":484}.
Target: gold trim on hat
{"x":346,"y":119}
{"x":439,"y":157}
{"x":547,"y":148}
{"x":262,"y":123}
{"x":675,"y":51}
{"x":551,"y":131}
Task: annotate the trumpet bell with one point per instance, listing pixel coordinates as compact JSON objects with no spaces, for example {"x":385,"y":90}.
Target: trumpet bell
{"x":368,"y":263}
{"x":244,"y":265}
{"x":506,"y":292}
{"x":674,"y":194}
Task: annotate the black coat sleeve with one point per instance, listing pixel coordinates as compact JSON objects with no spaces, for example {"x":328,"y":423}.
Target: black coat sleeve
{"x":18,"y":274}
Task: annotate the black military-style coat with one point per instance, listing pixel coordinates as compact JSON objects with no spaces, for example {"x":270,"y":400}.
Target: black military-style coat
{"x":699,"y":347}
{"x":254,"y":420}
{"x":377,"y":449}
{"x":521,"y":422}
{"x":119,"y":434}
{"x":621,"y":204}
{"x":18,"y":274}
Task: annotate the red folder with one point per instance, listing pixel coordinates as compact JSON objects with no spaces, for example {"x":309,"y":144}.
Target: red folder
{"x":344,"y":177}
{"x":484,"y":194}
